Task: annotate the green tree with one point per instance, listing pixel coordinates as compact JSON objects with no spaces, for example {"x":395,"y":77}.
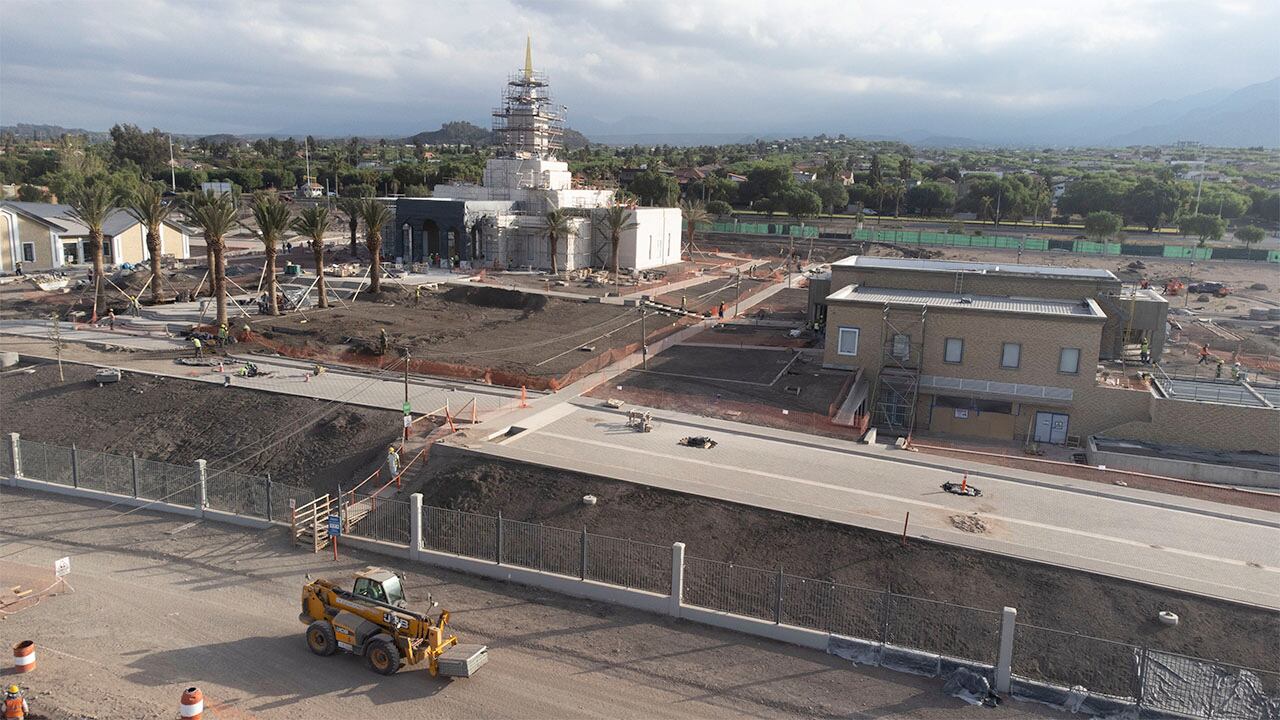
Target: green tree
{"x":1102,"y":225}
{"x":149,"y":151}
{"x":719,"y":208}
{"x":876,"y":173}
{"x":764,"y":182}
{"x":1249,"y":235}
{"x":904,"y":168}
{"x":613,"y":221}
{"x":272,"y":219}
{"x":147,"y":205}
{"x":90,"y":207}
{"x":312,"y":223}
{"x":654,"y":188}
{"x":350,"y":207}
{"x":1152,"y":201}
{"x":216,"y":216}
{"x":1204,"y":227}
{"x":833,"y":193}
{"x":693,"y":213}
{"x":557,"y":228}
{"x":1091,"y":194}
{"x":930,"y":198}
{"x":375,"y":216}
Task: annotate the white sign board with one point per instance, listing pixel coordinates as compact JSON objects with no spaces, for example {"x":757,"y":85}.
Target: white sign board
{"x":408,"y":421}
{"x":293,"y":503}
{"x":62,"y":567}
{"x":962,"y":413}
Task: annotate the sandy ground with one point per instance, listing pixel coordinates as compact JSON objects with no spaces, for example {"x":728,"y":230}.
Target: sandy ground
{"x":718,"y":530}
{"x":179,"y":422}
{"x":481,"y":327}
{"x":161,"y":604}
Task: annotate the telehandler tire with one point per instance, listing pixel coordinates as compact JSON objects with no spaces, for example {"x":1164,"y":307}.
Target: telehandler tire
{"x":383,"y":656}
{"x":320,"y":638}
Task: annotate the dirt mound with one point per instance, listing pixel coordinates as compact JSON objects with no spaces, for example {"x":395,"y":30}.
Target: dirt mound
{"x":496,"y":298}
{"x":388,"y":293}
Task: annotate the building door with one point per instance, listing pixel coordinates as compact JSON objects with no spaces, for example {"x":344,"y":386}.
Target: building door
{"x":1051,"y":428}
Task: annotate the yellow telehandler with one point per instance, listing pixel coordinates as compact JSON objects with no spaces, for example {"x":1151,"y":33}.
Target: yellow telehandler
{"x":372,"y":619}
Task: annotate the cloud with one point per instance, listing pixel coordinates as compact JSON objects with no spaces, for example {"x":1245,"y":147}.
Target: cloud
{"x":331,"y":66}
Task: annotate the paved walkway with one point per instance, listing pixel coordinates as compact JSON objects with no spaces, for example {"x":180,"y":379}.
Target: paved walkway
{"x":1191,"y":545}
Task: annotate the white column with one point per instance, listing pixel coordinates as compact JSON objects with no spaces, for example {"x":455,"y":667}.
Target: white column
{"x":202,"y":473}
{"x":415,"y":526}
{"x":677,"y":579}
{"x":15,"y":452}
{"x":1004,"y":660}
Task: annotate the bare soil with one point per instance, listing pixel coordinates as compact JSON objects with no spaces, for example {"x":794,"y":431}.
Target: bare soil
{"x":483,"y":327}
{"x":1046,"y":596}
{"x":179,"y":422}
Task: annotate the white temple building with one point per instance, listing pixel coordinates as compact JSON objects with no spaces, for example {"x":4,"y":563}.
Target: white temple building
{"x":501,"y":223}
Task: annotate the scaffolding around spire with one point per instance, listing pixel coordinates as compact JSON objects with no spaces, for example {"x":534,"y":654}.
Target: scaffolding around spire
{"x":528,"y":123}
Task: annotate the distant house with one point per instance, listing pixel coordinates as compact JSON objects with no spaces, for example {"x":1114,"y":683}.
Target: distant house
{"x":802,"y":176}
{"x":218,"y":187}
{"x":43,"y":236}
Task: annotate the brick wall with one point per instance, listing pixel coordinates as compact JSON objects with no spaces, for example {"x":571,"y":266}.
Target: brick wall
{"x":1118,"y":413}
{"x":973,"y":283}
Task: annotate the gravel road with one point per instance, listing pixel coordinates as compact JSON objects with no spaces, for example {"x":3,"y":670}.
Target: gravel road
{"x":160,"y":604}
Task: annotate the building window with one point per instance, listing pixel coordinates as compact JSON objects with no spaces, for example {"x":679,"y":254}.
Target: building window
{"x":1011,"y":357}
{"x":106,"y":248}
{"x":901,"y":346}
{"x":28,"y":252}
{"x":847,"y":343}
{"x":1069,"y":360}
{"x":953,"y":352}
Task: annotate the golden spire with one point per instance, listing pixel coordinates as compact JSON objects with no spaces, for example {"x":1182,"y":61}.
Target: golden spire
{"x":528,"y":57}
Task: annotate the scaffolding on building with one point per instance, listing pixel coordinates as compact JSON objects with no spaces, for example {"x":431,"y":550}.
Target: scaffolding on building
{"x":901,"y":360}
{"x":528,"y":123}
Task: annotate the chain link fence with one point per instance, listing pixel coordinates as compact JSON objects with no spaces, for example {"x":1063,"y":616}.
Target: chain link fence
{"x":104,"y":471}
{"x":841,"y":609}
{"x":236,"y":493}
{"x":1054,"y":656}
{"x":1176,"y":683}
{"x":50,"y":463}
{"x":282,"y":494}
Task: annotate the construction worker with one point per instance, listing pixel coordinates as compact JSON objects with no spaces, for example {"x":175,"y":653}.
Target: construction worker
{"x":1204,"y":354}
{"x":720,"y":311}
{"x":223,"y":334}
{"x":15,"y":706}
{"x":393,"y":461}
{"x":417,"y":295}
{"x":199,"y":347}
{"x":111,"y":319}
{"x":383,"y":341}
{"x":1237,"y":373}
{"x":1146,"y":351}
{"x":1217,"y":373}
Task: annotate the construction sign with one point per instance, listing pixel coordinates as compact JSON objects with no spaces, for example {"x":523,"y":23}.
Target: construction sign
{"x":62,"y":567}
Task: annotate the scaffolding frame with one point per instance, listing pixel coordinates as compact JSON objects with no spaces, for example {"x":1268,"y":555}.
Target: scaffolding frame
{"x":528,"y":123}
{"x":901,"y":362}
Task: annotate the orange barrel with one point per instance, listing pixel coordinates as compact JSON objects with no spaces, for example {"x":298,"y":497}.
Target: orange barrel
{"x":24,"y":656}
{"x":192,"y":704}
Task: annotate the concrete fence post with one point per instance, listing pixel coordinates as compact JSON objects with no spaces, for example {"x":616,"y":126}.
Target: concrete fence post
{"x":15,"y":454}
{"x":1004,"y":659}
{"x":202,"y":475}
{"x":677,"y":579}
{"x":133,"y":468}
{"x":269,"y":512}
{"x":777,"y":607}
{"x":582,"y":567}
{"x":75,"y":466}
{"x":415,"y":526}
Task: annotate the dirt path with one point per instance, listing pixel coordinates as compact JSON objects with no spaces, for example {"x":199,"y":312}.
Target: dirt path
{"x":158,"y":608}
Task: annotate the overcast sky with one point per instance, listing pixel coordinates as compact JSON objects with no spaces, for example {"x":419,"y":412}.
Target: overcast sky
{"x":400,"y":66}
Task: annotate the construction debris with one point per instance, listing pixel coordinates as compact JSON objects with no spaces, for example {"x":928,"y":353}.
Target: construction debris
{"x":698,"y":441}
{"x":969,"y":523}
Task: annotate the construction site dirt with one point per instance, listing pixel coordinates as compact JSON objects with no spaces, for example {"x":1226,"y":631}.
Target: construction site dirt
{"x":175,"y":421}
{"x":474,"y":328}
{"x":1046,"y":596}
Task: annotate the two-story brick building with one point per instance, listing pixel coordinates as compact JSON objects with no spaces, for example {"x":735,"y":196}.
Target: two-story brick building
{"x":977,"y":349}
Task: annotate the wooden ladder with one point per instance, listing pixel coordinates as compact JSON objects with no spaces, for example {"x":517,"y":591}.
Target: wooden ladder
{"x":312,"y":521}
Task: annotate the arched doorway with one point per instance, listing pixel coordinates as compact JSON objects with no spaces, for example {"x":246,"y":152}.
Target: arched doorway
{"x":431,"y":239}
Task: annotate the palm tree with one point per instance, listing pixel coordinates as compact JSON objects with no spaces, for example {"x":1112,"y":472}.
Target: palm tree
{"x":272,"y":218}
{"x":350,"y":207}
{"x":557,"y":227}
{"x":694,"y":212}
{"x":615,"y":221}
{"x":375,"y":216}
{"x":215,"y":214}
{"x":313,"y":223}
{"x":899,"y":191}
{"x":147,"y":206}
{"x":90,"y":206}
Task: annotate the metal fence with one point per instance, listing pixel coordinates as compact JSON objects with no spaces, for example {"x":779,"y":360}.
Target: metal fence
{"x":1054,"y":656}
{"x":236,"y":493}
{"x":1199,"y":688}
{"x":385,"y":519}
{"x":50,"y":463}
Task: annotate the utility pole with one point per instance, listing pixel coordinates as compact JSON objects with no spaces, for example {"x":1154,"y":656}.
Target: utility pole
{"x":737,"y":284}
{"x":406,"y":395}
{"x":173,"y":176}
{"x":644,"y":345}
{"x":55,"y":335}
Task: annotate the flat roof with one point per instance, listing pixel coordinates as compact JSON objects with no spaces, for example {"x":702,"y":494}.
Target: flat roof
{"x":1225,"y":392}
{"x":1085,"y":308}
{"x":952,"y":266}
